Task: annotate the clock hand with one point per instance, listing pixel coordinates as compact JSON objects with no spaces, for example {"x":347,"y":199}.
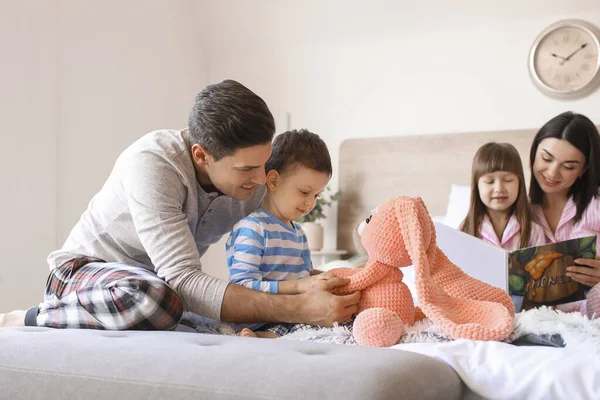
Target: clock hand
{"x":557,"y":56}
{"x":583,"y":46}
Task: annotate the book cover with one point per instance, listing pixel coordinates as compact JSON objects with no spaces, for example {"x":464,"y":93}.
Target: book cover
{"x":537,"y":275}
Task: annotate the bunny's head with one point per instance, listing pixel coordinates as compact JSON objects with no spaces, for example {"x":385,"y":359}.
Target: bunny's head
{"x":382,"y":233}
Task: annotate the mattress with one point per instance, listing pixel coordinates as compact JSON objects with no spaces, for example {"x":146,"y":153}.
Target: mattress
{"x":42,"y":363}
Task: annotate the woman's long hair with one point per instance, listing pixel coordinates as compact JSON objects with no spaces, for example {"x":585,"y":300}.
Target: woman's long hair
{"x":578,"y":130}
{"x":492,"y":157}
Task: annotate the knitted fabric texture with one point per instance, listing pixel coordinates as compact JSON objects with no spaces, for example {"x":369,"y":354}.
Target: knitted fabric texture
{"x":399,"y":234}
{"x":378,"y":327}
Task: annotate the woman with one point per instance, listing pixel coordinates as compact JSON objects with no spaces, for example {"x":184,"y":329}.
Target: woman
{"x":565,"y":183}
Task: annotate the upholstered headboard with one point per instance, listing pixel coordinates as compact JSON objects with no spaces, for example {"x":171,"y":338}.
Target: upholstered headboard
{"x":373,"y":170}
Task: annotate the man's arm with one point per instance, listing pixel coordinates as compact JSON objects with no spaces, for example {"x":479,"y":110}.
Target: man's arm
{"x":315,"y":307}
{"x":155,"y":194}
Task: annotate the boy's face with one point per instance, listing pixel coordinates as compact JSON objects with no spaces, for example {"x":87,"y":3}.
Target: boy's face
{"x":294,"y":194}
{"x":237,"y":175}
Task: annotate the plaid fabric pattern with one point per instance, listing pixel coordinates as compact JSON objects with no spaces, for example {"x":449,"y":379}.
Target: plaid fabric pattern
{"x":286,"y":329}
{"x":89,"y":293}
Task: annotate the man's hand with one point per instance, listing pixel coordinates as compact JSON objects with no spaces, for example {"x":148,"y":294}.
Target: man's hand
{"x":588,"y":274}
{"x":321,"y":281}
{"x":318,"y":306}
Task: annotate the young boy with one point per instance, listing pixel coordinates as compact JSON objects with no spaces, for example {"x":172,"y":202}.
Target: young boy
{"x":268,"y":250}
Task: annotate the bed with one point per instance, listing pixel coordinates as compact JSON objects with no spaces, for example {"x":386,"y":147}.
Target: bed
{"x":39,"y":363}
{"x":438,"y":169}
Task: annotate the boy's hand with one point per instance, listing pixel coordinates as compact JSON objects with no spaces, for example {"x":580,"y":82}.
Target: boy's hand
{"x":323,"y":281}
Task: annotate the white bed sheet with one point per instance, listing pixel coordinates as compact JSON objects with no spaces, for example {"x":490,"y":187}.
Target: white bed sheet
{"x":497,"y":370}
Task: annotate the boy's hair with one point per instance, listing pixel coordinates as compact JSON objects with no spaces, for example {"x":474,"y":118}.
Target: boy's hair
{"x":228,"y":116}
{"x":578,"y":130}
{"x":299,"y":147}
{"x":492,"y":157}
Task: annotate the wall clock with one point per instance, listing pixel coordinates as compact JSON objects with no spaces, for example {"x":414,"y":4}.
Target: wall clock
{"x":564,"y":62}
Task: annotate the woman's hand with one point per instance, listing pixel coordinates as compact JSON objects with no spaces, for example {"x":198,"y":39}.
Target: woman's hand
{"x":588,"y":272}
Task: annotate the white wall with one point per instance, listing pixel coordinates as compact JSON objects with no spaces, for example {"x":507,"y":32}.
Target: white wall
{"x":28,"y":120}
{"x":125,"y":68}
{"x":84,"y":79}
{"x":81,"y":80}
{"x":347,"y":69}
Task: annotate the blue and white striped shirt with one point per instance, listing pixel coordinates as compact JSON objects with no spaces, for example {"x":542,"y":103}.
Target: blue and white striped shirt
{"x":262,"y":250}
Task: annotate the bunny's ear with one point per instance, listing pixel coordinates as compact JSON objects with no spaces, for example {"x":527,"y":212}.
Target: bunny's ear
{"x":462,"y":306}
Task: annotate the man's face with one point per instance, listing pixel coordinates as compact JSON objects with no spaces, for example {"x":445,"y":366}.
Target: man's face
{"x":237,"y":175}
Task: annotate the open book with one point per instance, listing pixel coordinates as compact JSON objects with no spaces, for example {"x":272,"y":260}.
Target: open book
{"x":533,"y":276}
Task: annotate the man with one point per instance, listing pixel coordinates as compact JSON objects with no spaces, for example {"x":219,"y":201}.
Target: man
{"x":133,"y":260}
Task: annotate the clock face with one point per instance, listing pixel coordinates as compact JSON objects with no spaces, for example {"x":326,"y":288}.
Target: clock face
{"x":565,"y":59}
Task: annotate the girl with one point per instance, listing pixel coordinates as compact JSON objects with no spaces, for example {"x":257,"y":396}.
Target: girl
{"x":499,"y":212}
{"x":564,"y":192}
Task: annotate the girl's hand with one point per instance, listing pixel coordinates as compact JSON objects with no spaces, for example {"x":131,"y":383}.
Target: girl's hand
{"x":588,"y":273}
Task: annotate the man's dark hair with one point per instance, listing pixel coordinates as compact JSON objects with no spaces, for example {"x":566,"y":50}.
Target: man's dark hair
{"x":228,"y":116}
{"x":299,"y":147}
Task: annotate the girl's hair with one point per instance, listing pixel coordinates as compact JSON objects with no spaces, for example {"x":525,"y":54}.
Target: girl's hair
{"x":578,"y":130}
{"x":492,"y":157}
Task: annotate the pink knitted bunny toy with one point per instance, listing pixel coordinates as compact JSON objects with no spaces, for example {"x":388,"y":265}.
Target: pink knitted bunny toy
{"x":402,"y":233}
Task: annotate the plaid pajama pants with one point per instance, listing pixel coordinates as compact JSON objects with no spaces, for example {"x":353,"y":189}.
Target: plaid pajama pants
{"x":89,"y":293}
{"x":286,"y":329}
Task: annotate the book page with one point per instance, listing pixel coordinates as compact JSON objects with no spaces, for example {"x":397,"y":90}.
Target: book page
{"x":474,"y":256}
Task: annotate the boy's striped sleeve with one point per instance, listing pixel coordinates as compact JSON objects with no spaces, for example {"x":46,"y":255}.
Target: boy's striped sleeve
{"x":245,"y":249}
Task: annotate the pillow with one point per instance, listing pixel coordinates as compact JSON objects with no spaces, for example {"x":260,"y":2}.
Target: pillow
{"x":409,"y":280}
{"x":458,"y":205}
{"x":438,"y":218}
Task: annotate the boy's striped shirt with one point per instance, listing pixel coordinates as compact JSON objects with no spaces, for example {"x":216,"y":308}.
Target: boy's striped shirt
{"x":262,"y":250}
